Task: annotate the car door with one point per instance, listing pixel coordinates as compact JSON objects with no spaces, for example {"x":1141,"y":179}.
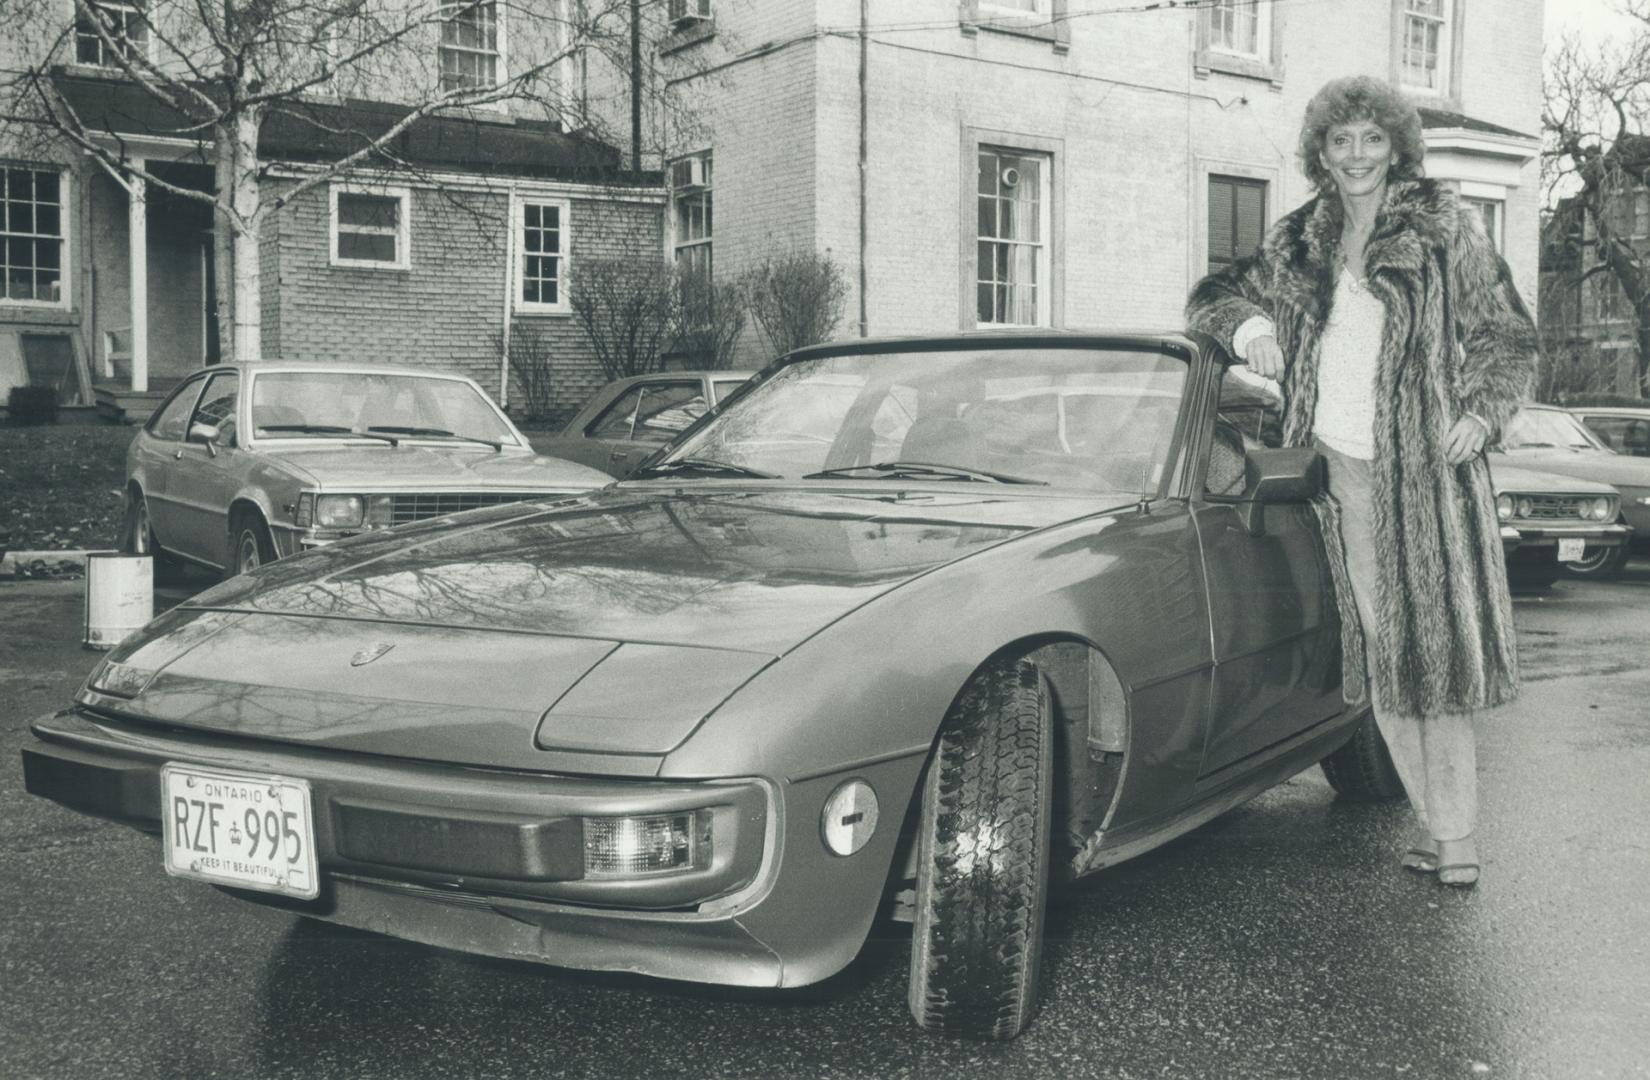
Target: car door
{"x":1274,"y":623}
{"x":155,"y":455}
{"x":644,"y":418}
{"x":205,"y":474}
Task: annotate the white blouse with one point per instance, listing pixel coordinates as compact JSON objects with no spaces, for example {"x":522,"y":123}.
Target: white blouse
{"x":1348,"y":354}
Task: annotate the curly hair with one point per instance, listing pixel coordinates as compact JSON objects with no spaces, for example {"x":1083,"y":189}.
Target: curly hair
{"x":1349,"y":100}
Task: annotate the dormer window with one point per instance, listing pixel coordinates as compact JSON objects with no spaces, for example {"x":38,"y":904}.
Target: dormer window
{"x":125,"y":32}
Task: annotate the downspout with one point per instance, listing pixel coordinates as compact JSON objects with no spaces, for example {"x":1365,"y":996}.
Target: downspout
{"x":509,"y":296}
{"x":864,"y":56}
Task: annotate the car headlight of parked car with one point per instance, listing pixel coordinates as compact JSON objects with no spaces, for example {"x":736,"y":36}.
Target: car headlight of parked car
{"x":333,"y":511}
{"x":1504,"y":506}
{"x":1602,"y":508}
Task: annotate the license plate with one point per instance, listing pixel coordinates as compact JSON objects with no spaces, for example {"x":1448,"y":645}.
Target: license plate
{"x":1570,"y":548}
{"x":252,"y":832}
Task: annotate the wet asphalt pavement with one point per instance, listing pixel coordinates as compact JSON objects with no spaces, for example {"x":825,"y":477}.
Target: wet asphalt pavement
{"x":1281,"y":940}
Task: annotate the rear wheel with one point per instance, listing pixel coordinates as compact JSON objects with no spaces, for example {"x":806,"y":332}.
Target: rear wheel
{"x":1599,"y":562}
{"x":1362,"y":768}
{"x":250,"y":545}
{"x":983,"y":859}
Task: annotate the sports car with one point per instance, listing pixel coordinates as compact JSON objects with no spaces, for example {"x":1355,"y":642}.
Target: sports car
{"x":916,"y":627}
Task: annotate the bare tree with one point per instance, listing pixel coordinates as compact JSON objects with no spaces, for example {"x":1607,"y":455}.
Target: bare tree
{"x":710,"y":316}
{"x":1598,"y":158}
{"x":531,"y":356}
{"x":798,"y":298}
{"x":627,"y":308}
{"x":216,"y":73}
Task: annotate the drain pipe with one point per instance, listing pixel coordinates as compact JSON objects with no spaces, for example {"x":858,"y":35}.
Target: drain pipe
{"x":864,"y":57}
{"x":509,"y":296}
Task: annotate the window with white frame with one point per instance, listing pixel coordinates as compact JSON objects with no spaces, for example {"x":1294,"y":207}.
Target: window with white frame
{"x":1425,"y":48}
{"x":370,"y":227}
{"x":1241,"y":27}
{"x":690,"y":197}
{"x":1029,"y":7}
{"x":1491,"y":212}
{"x":1237,"y":218}
{"x":541,"y":256}
{"x":125,"y":32}
{"x":32,"y":236}
{"x":1012,"y":247}
{"x":471,"y":45}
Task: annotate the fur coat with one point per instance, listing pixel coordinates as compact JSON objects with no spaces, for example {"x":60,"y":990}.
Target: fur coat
{"x":1457,"y":339}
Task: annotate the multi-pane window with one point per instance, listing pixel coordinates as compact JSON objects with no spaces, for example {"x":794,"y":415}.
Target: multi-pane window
{"x":470,"y":45}
{"x":1240,"y":26}
{"x":1012,"y":246}
{"x":123,"y":25}
{"x":369,"y":228}
{"x":1237,"y":218}
{"x":1609,"y":301}
{"x":1426,"y":45}
{"x":541,"y":261}
{"x":689,"y":10}
{"x":690,"y":196}
{"x":31,"y":235}
{"x":1490,"y":211}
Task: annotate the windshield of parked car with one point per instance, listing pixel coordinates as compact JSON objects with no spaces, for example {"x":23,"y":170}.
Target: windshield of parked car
{"x":1071,"y":417}
{"x":1547,"y":429}
{"x":323,"y":404}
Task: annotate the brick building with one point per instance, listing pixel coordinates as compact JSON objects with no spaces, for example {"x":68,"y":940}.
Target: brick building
{"x":1587,"y":319}
{"x":1056,"y":162}
{"x":471,"y":220}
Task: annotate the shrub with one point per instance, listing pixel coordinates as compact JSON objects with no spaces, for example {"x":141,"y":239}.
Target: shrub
{"x":530,"y":356}
{"x":32,"y":404}
{"x":797,"y":298}
{"x":627,"y":309}
{"x":710,"y":316}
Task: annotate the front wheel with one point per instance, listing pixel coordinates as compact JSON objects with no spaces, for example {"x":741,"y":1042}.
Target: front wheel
{"x":1362,"y":768}
{"x":137,"y":532}
{"x":983,"y":858}
{"x":1599,"y":562}
{"x":250,"y":545}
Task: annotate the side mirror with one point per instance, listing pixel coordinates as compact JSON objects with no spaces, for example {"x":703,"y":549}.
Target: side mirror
{"x":1288,"y":474}
{"x":205,"y":433}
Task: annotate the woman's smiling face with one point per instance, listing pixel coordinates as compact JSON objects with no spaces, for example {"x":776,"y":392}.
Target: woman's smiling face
{"x":1358,"y":156}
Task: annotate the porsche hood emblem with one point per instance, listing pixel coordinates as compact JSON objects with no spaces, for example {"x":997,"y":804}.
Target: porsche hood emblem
{"x":369,"y":654}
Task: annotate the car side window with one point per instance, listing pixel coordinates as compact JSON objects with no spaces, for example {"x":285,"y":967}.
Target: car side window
{"x":217,"y":406}
{"x":1250,"y":417}
{"x":171,"y":420}
{"x":651,"y":412}
{"x":721,"y":388}
{"x":1622,"y":434}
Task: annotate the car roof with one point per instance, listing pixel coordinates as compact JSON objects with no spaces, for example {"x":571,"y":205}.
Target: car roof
{"x":1612,"y":410}
{"x":264,"y":367}
{"x":1011,"y":338}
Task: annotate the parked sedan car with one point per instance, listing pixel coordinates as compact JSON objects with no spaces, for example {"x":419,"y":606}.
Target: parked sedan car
{"x":1623,"y":428}
{"x":628,"y":419}
{"x":247,"y":463}
{"x":1548,"y":521}
{"x":709,"y":722}
{"x":1552,"y":440}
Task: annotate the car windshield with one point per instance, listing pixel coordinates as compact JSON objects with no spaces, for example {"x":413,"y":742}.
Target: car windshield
{"x":1068,"y":416}
{"x":310,"y":404}
{"x":1543,"y":429}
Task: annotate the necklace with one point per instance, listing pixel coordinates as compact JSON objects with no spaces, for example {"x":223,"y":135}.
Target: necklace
{"x":1355,"y":281}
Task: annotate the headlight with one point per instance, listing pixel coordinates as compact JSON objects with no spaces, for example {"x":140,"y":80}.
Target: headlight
{"x":1603,"y":508}
{"x":1503,"y":506}
{"x":626,"y":847}
{"x":1526,"y":506}
{"x":339,"y":511}
{"x":119,"y":680}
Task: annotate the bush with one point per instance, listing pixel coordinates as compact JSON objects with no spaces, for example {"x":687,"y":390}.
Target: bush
{"x":627,"y":309}
{"x":32,"y":404}
{"x":710,"y":316}
{"x":530,"y":356}
{"x":798,"y":298}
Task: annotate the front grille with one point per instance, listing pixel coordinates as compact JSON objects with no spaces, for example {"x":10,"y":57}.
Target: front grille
{"x":405,"y":508}
{"x":1553,"y":507}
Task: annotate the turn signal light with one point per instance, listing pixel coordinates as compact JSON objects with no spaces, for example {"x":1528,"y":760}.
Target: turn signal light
{"x":622,"y":847}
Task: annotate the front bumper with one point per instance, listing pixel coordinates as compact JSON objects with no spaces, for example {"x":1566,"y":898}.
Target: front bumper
{"x":1521,"y":535}
{"x":480,"y":859}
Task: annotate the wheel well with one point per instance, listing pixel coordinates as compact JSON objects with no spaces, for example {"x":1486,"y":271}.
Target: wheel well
{"x":241,"y":508}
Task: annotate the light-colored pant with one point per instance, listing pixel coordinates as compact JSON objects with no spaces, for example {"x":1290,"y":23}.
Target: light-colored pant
{"x":1436,"y":756}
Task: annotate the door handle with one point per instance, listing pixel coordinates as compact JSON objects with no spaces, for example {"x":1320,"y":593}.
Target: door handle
{"x":177,"y":455}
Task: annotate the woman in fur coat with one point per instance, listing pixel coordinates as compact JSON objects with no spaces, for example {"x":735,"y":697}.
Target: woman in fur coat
{"x":1402,"y":347}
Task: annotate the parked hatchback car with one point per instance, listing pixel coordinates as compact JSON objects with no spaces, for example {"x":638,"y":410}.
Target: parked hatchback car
{"x":1024,"y":611}
{"x":628,"y":419}
{"x":1552,"y":440}
{"x":247,"y":463}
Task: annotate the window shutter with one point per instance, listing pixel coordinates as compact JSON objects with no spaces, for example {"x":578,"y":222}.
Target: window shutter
{"x":1220,"y":222}
{"x":1250,"y":219}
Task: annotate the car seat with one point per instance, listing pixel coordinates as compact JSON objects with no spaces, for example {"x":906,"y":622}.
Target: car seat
{"x":941,"y":440}
{"x":264,"y":416}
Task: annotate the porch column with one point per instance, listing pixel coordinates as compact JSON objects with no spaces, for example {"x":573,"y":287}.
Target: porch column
{"x":137,"y":240}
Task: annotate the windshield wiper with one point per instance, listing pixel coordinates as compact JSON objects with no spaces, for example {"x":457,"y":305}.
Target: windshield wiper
{"x":328,"y":429}
{"x":435,"y":432}
{"x":706,"y":465}
{"x":908,"y":469}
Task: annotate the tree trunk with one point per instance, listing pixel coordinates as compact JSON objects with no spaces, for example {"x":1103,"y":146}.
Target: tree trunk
{"x":244,"y":197}
{"x":223,"y":239}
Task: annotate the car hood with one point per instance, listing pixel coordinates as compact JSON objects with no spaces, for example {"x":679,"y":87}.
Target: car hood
{"x":607,"y":624}
{"x":1596,"y":465}
{"x":1511,"y":478}
{"x":422,"y":467}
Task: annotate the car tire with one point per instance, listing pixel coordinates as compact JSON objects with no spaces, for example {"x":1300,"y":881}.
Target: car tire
{"x":977,"y":938}
{"x":250,"y":545}
{"x":1600,"y":563}
{"x":1362,"y":768}
{"x":137,"y":532}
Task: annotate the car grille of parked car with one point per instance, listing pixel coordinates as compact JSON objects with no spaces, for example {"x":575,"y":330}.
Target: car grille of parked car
{"x":405,"y":508}
{"x":1553,"y":507}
